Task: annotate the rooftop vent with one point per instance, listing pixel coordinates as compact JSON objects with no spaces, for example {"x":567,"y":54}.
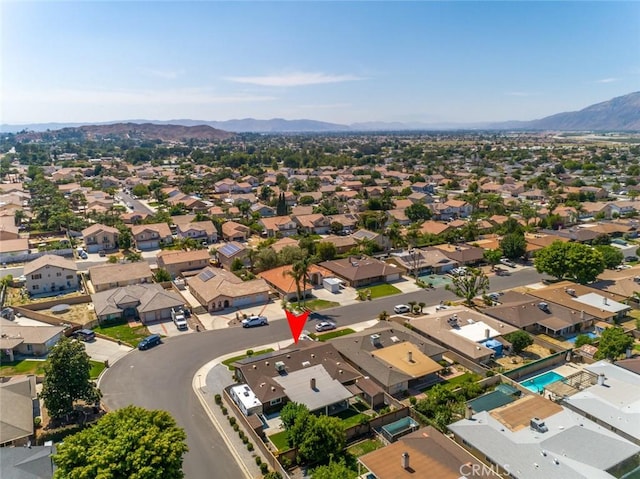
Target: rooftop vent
{"x":395,"y":339}
{"x":544,"y":307}
{"x":306,"y":364}
{"x":538,"y":425}
{"x":375,"y":340}
{"x":571,"y":291}
{"x":405,"y":460}
{"x":280,"y":366}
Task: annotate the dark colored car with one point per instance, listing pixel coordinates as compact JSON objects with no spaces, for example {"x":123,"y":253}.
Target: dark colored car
{"x":85,"y":335}
{"x":149,"y":342}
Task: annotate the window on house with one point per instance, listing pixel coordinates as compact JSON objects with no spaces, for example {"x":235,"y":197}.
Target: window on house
{"x":69,"y":276}
{"x":58,"y":274}
{"x":35,"y":287}
{"x":275,"y":401}
{"x":36,"y":276}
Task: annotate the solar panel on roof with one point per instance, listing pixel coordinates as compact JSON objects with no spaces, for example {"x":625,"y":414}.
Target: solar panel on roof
{"x":229,"y":249}
{"x":206,"y":275}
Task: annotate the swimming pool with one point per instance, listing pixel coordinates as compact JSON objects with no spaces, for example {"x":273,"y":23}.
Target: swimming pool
{"x":538,"y":383}
{"x":591,"y":334}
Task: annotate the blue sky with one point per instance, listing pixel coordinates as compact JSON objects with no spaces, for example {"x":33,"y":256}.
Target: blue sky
{"x":342,"y":62}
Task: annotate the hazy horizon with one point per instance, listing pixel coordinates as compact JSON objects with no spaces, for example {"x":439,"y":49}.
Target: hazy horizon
{"x":338,"y":62}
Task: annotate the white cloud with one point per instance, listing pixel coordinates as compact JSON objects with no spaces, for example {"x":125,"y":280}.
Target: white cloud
{"x":295,"y":79}
{"x":607,"y":80}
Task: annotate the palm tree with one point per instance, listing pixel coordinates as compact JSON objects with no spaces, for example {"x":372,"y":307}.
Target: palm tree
{"x":413,"y":305}
{"x":421,"y":304}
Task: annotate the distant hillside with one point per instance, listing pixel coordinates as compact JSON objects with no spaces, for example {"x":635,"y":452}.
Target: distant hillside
{"x":142,"y":131}
{"x":276,"y":125}
{"x":619,"y":114}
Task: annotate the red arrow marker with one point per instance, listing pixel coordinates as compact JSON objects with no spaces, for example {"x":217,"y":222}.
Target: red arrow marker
{"x":296,"y":323}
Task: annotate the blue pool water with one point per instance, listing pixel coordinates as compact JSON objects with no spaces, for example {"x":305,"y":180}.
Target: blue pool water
{"x":591,"y":334}
{"x":538,"y":383}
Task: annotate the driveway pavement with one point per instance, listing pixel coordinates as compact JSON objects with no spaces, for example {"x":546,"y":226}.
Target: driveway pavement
{"x":167,"y":329}
{"x":105,"y":350}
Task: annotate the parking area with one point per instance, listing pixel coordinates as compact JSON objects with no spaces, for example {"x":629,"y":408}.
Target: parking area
{"x":105,"y":350}
{"x":168,"y":328}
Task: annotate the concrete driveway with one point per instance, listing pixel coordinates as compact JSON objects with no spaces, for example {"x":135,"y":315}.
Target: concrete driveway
{"x":105,"y":350}
{"x":167,"y":328}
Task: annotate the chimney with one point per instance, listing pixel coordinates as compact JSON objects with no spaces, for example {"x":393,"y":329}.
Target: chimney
{"x":313,"y":383}
{"x":604,"y":301}
{"x":468,"y":412}
{"x":582,"y":314}
{"x":409,"y":356}
{"x":405,"y":460}
{"x":601,"y":379}
{"x":487,"y":333}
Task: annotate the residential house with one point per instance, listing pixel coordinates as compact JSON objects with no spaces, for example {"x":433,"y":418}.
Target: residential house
{"x":424,"y":261}
{"x":98,"y":237}
{"x":191,"y":203}
{"x":18,"y":407}
{"x":283,"y":243}
{"x":231,"y":252}
{"x":262,"y":210}
{"x":146,"y":302}
{"x":108,"y":276}
{"x":217,"y":289}
{"x":225,"y":185}
{"x":343,"y":244}
{"x":348,"y":221}
{"x":51,"y":274}
{"x":278,"y":226}
{"x":232,"y":231}
{"x":134,"y":217}
{"x":533,"y":437}
{"x":623,"y":283}
{"x":21,"y":340}
{"x":422,"y":187}
{"x":434,"y":227}
{"x":380,"y":240}
{"x":202,"y":231}
{"x":464,"y":254}
{"x":528,"y":313}
{"x":282,"y":282}
{"x":178,"y":262}
{"x":313,"y":374}
{"x":8,"y":230}
{"x":151,"y":236}
{"x":13,"y":250}
{"x":424,"y":453}
{"x":313,"y":224}
{"x":393,"y":356}
{"x":362,"y":271}
{"x":466,"y":332}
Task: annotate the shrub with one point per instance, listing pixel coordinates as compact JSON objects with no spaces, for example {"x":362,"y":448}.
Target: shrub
{"x":232,"y":420}
{"x":490,"y":373}
{"x":250,"y":352}
{"x":249,"y":446}
{"x":245,"y":439}
{"x":264,"y":468}
{"x":37,"y":421}
{"x":413,"y":400}
{"x":224,"y":410}
{"x":236,"y":427}
{"x":218,"y":399}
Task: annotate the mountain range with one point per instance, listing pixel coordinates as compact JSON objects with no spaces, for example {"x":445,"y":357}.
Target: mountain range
{"x":618,"y":114}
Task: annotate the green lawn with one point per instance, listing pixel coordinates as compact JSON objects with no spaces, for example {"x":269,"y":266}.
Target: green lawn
{"x":25,"y":366}
{"x":351,"y":417}
{"x":365,"y":447}
{"x":30,"y":366}
{"x":123,"y":332}
{"x":280,"y":440}
{"x":318,"y":304}
{"x":96,"y":368}
{"x":381,"y":290}
{"x":332,"y":334}
{"x":228,"y":362}
{"x":454,"y":383}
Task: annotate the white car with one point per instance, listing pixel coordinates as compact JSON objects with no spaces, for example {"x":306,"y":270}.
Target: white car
{"x":508,"y":262}
{"x":401,"y":308}
{"x":325,"y":326}
{"x":252,"y":321}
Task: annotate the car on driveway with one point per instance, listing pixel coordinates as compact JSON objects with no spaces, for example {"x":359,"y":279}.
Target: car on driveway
{"x":325,"y":326}
{"x":149,"y":342}
{"x":256,"y":320}
{"x":401,"y":308}
{"x":508,"y":262}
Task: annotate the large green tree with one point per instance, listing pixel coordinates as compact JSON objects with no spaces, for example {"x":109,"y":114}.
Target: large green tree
{"x":66,"y":378}
{"x":131,"y":443}
{"x":613,"y":343}
{"x":469,"y":285}
{"x":492,"y":256}
{"x":519,"y":340}
{"x":575,"y":261}
{"x":513,"y":245}
{"x":324,"y":435}
{"x":334,"y":470}
{"x":611,"y":255}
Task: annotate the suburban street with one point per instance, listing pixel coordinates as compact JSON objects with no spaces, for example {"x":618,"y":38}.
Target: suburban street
{"x":138,"y":206}
{"x":161,"y":378}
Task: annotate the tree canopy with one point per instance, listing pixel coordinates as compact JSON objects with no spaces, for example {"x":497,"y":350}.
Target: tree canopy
{"x":131,"y":443}
{"x":66,"y":378}
{"x":570,"y":260}
{"x":613,"y":343}
{"x":469,"y":285}
{"x":513,"y":245}
{"x":519,"y":340}
{"x":611,"y":255}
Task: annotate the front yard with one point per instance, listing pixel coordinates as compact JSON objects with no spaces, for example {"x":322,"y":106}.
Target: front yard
{"x":333,"y":334}
{"x":123,"y":332}
{"x":379,"y":290}
{"x":31,"y":366}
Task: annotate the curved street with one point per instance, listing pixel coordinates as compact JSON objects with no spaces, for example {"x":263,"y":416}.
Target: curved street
{"x":161,"y":378}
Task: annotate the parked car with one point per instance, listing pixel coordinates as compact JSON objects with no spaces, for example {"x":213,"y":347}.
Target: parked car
{"x":501,"y":272}
{"x":255,"y":320}
{"x":630,"y":259}
{"x":149,"y":342}
{"x":462,"y":270}
{"x":325,"y":326}
{"x":179,"y":319}
{"x":401,"y":308}
{"x":85,"y":335}
{"x":508,"y":262}
{"x":102,"y":253}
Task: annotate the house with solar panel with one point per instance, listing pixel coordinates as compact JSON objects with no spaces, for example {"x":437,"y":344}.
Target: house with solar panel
{"x":229,"y":252}
{"x":217,"y":289}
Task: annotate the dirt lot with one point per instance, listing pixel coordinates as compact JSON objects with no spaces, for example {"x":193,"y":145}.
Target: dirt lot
{"x":78,"y":313}
{"x":531,"y":353}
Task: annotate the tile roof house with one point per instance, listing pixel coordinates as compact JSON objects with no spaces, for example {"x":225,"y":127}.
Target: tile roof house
{"x":393,"y":356}
{"x":313,"y":224}
{"x":462,"y":253}
{"x":362,"y":271}
{"x":218,"y":289}
{"x":99,"y":237}
{"x":279,"y":226}
{"x":228,"y":253}
{"x":232,"y":231}
{"x":13,"y":250}
{"x":178,"y":262}
{"x":108,"y":276}
{"x":28,"y":340}
{"x":151,"y":236}
{"x":18,"y":408}
{"x":198,"y":230}
{"x":424,"y":453}
{"x":148,"y":302}
{"x":424,"y":261}
{"x":283,"y":283}
{"x":303,"y":362}
{"x":51,"y":274}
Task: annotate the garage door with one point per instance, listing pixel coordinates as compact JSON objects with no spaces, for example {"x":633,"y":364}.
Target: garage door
{"x":252,"y":299}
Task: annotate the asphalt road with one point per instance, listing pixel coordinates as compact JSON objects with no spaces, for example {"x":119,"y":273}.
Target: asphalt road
{"x":161,"y":378}
{"x":137,"y":205}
